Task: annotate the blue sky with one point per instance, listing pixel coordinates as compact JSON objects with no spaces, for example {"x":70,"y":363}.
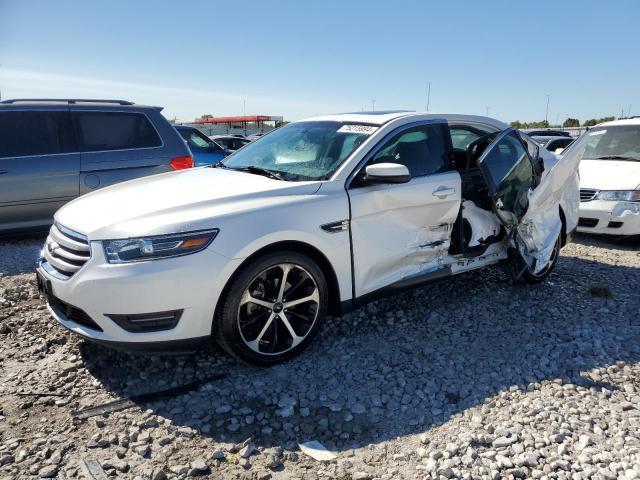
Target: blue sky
{"x":299,"y":58}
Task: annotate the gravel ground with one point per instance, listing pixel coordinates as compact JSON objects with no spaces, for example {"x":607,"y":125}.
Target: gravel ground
{"x":469,"y":378}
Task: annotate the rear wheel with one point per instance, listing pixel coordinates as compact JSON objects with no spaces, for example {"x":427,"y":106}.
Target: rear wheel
{"x":531,"y":277}
{"x":273,"y":309}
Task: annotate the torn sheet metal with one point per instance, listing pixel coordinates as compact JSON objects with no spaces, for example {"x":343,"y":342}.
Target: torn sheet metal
{"x":541,"y":225}
{"x":484,"y":224}
{"x":316,"y":450}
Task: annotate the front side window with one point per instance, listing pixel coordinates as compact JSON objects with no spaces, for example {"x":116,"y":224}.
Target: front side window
{"x":302,"y":151}
{"x":510,"y":172}
{"x":26,"y":133}
{"x":621,"y":142}
{"x":100,"y":131}
{"x":421,"y":149}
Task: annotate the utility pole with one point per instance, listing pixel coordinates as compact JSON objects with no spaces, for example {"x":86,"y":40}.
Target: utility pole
{"x":546,"y":115}
{"x":428,"y":95}
{"x":373,"y":105}
{"x":629,"y":111}
{"x":244,"y":107}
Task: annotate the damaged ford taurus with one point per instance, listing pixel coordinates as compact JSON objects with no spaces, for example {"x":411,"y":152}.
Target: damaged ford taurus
{"x":317,"y":217}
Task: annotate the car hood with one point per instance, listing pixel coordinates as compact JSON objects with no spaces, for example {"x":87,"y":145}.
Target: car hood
{"x":609,"y":174}
{"x":187,"y":200}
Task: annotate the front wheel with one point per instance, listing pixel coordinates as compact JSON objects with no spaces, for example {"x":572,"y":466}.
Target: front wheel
{"x":529,"y":275}
{"x":272,"y":309}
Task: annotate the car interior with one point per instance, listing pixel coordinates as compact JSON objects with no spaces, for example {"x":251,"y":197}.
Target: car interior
{"x":469,"y":143}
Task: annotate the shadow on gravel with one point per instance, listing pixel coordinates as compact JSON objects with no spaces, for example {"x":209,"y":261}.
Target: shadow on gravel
{"x":19,"y":252}
{"x":607,"y":241}
{"x":404,"y":364}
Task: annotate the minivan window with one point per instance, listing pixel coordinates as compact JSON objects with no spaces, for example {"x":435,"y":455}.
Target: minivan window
{"x":617,"y":142}
{"x":101,"y":131}
{"x":26,"y":133}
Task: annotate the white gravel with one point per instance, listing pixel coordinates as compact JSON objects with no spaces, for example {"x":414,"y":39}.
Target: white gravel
{"x":469,"y":378}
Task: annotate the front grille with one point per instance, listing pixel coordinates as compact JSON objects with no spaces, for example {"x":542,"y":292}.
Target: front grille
{"x":587,"y":222}
{"x":72,"y":313}
{"x":66,"y":251}
{"x":588,"y":194}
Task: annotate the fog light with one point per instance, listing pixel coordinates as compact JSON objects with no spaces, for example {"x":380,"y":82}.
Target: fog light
{"x":147,"y":322}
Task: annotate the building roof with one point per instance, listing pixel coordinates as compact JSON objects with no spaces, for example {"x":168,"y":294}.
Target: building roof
{"x":240,"y":119}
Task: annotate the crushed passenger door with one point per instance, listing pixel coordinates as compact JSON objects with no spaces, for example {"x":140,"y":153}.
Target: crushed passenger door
{"x":512,"y":175}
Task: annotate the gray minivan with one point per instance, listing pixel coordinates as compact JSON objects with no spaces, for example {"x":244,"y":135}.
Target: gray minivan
{"x":52,"y":151}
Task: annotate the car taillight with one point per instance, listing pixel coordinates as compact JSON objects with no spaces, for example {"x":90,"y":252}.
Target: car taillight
{"x":180,"y":163}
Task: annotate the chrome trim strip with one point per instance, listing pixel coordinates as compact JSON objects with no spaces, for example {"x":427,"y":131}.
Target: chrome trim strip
{"x":66,"y":241}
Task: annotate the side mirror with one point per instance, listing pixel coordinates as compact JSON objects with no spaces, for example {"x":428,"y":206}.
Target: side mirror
{"x":387,"y":173}
{"x":558,"y":151}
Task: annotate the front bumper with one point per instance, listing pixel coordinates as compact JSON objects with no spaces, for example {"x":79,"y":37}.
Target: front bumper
{"x":191,"y":283}
{"x":611,"y":218}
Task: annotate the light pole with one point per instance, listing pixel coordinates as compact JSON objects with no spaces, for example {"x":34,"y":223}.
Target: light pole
{"x":546,"y":115}
{"x":373,"y":105}
{"x":428,"y":95}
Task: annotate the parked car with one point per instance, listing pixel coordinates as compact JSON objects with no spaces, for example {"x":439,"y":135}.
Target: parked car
{"x":553,"y":144}
{"x":230,"y":142}
{"x":547,"y":133}
{"x":255,"y":136}
{"x":610,"y":178}
{"x":320,"y":216}
{"x":52,"y":151}
{"x":205,"y":151}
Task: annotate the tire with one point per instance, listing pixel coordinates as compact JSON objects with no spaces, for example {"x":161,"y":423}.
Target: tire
{"x":257,"y":323}
{"x":532,"y":278}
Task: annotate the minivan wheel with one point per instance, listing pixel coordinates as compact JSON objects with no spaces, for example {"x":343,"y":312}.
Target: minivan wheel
{"x":272,"y":309}
{"x":530,"y":277}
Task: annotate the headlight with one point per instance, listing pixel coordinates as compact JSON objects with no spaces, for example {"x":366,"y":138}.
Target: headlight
{"x":162,"y":246}
{"x":620,"y":195}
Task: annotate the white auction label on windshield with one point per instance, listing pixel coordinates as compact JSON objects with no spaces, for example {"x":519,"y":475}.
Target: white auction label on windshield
{"x":598,"y":132}
{"x":363,"y":129}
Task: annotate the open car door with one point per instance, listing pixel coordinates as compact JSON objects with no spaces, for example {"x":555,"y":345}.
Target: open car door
{"x":508,"y":171}
{"x":511,"y":175}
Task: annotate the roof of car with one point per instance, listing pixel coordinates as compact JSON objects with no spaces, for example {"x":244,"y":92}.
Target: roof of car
{"x":382,"y":117}
{"x":626,"y":121}
{"x":73,"y":102}
{"x":550,"y":137}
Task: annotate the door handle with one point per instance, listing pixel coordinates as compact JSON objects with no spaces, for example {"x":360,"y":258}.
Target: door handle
{"x":443,"y":192}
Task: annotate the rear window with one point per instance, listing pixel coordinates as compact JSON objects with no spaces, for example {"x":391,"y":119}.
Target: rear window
{"x":26,"y":133}
{"x":100,"y":131}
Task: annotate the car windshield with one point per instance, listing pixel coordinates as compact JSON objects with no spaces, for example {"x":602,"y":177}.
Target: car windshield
{"x":194,"y":138}
{"x":301,"y":151}
{"x":542,"y":141}
{"x":620,"y":142}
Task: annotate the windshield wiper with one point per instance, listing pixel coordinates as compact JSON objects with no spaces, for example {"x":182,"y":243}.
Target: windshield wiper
{"x":261,"y":171}
{"x":617,"y":157}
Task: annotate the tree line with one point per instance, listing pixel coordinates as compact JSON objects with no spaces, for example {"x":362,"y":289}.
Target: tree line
{"x":569,"y":122}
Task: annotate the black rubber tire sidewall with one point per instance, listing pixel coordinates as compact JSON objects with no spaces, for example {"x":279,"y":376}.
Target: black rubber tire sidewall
{"x":528,"y":277}
{"x":225,"y":327}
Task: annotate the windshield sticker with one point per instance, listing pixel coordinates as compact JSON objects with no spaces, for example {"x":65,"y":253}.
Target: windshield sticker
{"x":599,"y":132}
{"x":363,"y":129}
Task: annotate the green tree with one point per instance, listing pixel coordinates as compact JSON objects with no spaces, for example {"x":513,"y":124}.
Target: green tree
{"x":571,"y":122}
{"x":517,"y":124}
{"x":594,"y":121}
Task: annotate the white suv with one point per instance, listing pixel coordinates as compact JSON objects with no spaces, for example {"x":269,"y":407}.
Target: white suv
{"x":316,"y":217}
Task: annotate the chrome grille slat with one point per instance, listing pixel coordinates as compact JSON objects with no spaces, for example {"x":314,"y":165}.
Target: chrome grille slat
{"x":588,"y":194}
{"x":68,"y":241}
{"x":65,"y":251}
{"x":59,"y":264}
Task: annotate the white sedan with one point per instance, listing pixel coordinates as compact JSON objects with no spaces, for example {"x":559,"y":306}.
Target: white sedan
{"x":318,"y":217}
{"x":610,"y":178}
